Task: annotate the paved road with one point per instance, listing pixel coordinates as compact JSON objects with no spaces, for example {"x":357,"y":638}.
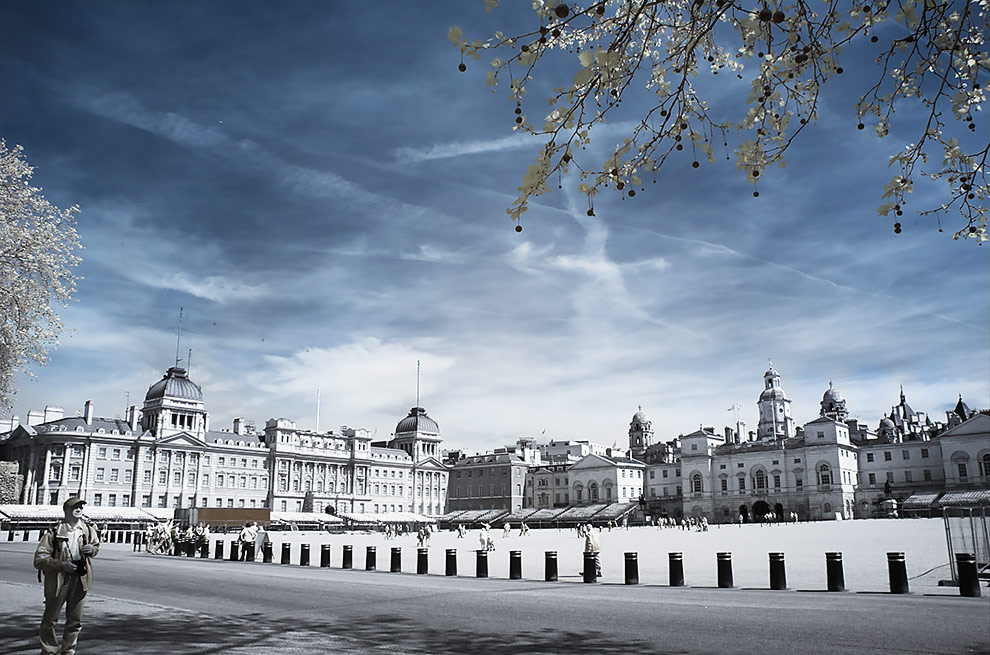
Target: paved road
{"x":154,"y":604}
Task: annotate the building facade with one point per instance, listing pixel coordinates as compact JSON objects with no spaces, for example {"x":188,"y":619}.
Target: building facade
{"x":166,"y":456}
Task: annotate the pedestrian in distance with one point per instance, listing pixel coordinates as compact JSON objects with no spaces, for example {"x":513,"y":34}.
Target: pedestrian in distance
{"x":63,"y":556}
{"x":593,"y":544}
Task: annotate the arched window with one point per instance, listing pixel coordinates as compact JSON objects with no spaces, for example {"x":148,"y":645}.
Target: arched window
{"x":985,"y":465}
{"x":579,"y":492}
{"x":593,"y":492}
{"x":760,"y":480}
{"x":828,"y":508}
{"x":696,"y":485}
{"x":824,"y":474}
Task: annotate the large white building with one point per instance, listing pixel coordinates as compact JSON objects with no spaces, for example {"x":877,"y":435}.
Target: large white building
{"x":167,"y":456}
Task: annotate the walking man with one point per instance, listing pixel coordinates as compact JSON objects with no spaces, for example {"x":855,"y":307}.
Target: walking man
{"x":63,"y":555}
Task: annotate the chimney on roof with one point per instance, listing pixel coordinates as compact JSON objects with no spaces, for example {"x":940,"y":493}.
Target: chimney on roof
{"x":132,"y":417}
{"x":35,"y":416}
{"x":238,"y":425}
{"x":53,"y":413}
{"x":88,"y":412}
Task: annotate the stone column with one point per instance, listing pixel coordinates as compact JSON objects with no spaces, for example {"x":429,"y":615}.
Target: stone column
{"x":45,"y":474}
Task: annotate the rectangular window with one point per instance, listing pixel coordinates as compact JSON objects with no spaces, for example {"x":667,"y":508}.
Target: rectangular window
{"x":128,"y":475}
{"x":148,"y":457}
{"x":798,"y":482}
{"x":908,"y":476}
{"x":101,"y":452}
{"x":230,"y":503}
{"x":177,"y":478}
{"x":652,"y":474}
{"x":725,"y":484}
{"x":161,"y":477}
{"x":100,"y":474}
{"x":873,"y":478}
{"x":665,"y":473}
{"x":742,"y":484}
{"x":146,"y":500}
{"x":776,"y":480}
{"x":906,"y":454}
{"x":740,"y":465}
{"x":797,"y":460}
{"x":928,"y":475}
{"x":220,"y":502}
{"x":963,"y":473}
{"x":112,"y":500}
{"x":113,"y":475}
{"x":206,"y":460}
{"x":890,"y":476}
{"x":887,"y":456}
{"x":869,"y":457}
{"x":222,"y":460}
{"x":115,"y":453}
{"x":75,"y":471}
{"x":191,"y":479}
{"x":147,"y":477}
{"x":161,"y":501}
{"x":97,"y":499}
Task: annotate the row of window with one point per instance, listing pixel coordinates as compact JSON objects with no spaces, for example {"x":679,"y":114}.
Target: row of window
{"x":666,"y":471}
{"x":888,"y":455}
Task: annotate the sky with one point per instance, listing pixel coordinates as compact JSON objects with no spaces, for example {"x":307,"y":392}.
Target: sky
{"x":323,"y":195}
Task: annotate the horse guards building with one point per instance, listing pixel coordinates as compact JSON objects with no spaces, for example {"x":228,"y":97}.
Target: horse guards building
{"x":166,"y":456}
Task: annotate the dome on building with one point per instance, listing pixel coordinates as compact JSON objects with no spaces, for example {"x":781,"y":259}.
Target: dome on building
{"x":773,"y":393}
{"x":832,"y":396}
{"x":887,"y":424}
{"x":175,"y":384}
{"x":417,"y":421}
{"x":640,"y":417}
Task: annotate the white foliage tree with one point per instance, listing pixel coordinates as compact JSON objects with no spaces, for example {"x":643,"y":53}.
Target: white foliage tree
{"x":38,"y":246}
{"x":930,"y":56}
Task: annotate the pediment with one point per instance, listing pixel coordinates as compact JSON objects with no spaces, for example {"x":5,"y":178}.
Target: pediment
{"x":181,"y":440}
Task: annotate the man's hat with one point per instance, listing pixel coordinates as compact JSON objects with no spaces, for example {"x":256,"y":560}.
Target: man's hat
{"x":73,"y":502}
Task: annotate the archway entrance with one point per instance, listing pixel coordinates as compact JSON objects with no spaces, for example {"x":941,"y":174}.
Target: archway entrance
{"x":760,"y":510}
{"x":778,"y":509}
{"x":744,"y":513}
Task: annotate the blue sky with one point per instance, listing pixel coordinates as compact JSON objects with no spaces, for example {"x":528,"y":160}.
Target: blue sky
{"x":323,"y":193}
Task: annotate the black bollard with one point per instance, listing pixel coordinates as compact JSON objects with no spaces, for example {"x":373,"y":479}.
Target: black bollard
{"x":833,"y":571}
{"x":348,"y":558}
{"x":190,"y":548}
{"x":515,"y":565}
{"x":551,"y":566}
{"x":178,"y":547}
{"x":969,"y":581}
{"x":422,"y":561}
{"x":632,"y":568}
{"x":249,"y":552}
{"x":482,"y":564}
{"x":127,"y":537}
{"x":395,"y":565}
{"x":204,"y":550}
{"x":676,"y":569}
{"x":10,"y":534}
{"x":450,"y":566}
{"x":325,"y":555}
{"x":724,"y":570}
{"x":371,"y":558}
{"x":286,"y":553}
{"x":112,"y":537}
{"x":27,"y":535}
{"x":778,"y":576}
{"x":234,"y":553}
{"x":303,"y":554}
{"x":590,"y":573}
{"x":897,"y":570}
{"x":266,"y":553}
{"x":218,"y":550}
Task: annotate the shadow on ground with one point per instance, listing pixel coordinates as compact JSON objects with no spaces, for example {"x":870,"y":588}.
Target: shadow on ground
{"x":189,"y":633}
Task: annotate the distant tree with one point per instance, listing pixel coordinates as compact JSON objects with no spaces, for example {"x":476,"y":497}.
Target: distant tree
{"x":930,"y":57}
{"x":38,"y":245}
